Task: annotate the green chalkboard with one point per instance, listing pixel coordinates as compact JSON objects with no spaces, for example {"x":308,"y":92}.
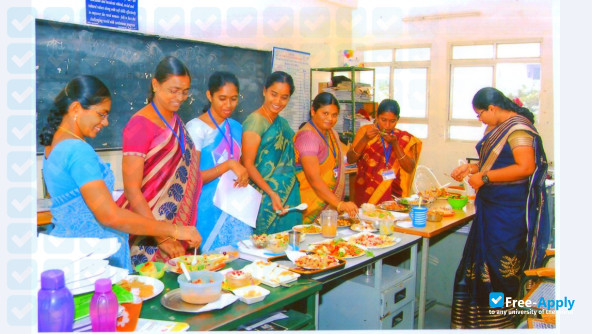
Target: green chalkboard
{"x":125,"y":62}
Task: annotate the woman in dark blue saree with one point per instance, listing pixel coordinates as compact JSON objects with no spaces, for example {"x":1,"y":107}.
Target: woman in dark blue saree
{"x":510,"y":231}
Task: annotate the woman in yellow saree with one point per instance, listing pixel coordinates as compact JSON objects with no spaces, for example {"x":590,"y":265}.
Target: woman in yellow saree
{"x":320,"y":162}
{"x":386,"y":157}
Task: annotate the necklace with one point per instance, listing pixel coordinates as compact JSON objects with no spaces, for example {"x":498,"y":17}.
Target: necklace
{"x":266,"y":116}
{"x":70,"y":132}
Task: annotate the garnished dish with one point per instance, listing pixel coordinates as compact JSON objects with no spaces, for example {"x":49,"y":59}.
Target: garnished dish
{"x":393,"y":206}
{"x":211,"y":262}
{"x":414,"y":200}
{"x":338,"y":248}
{"x":369,"y":211}
{"x":373,"y":241}
{"x":269,"y":273}
{"x":148,"y":287}
{"x":341,"y":221}
{"x":433,"y":193}
{"x":259,"y":240}
{"x":315,"y":261}
{"x":443,"y":211}
{"x":363,"y":226}
{"x":307,"y":229}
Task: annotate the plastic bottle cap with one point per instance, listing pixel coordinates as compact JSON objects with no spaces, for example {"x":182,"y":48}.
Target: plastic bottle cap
{"x":103,"y":285}
{"x":52,"y":279}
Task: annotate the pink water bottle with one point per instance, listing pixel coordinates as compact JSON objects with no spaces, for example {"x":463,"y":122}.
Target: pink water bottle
{"x":103,"y":307}
{"x":55,"y":303}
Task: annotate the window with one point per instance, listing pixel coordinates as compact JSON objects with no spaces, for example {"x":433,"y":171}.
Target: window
{"x":402,"y":75}
{"x":513,"y":68}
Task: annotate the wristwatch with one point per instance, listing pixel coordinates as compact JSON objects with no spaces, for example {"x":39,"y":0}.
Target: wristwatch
{"x":485,"y":178}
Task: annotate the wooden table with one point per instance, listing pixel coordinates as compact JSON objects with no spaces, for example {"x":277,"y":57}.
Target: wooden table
{"x":238,"y":313}
{"x":432,"y":229}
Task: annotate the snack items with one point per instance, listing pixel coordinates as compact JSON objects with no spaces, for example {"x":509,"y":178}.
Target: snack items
{"x":316,"y":261}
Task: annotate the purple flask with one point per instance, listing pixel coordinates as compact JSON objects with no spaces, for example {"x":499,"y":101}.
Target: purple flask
{"x":103,"y":307}
{"x":55,"y":303}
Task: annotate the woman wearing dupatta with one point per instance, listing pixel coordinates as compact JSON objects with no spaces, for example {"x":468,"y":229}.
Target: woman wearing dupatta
{"x":80,"y":183}
{"x":510,"y":231}
{"x":386,"y":157}
{"x":320,"y":161}
{"x":217,"y":140}
{"x":268,"y":156}
{"x":156,"y":143}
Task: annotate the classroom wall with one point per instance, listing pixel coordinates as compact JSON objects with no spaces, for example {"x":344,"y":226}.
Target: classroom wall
{"x":498,"y":20}
{"x":314,"y":26}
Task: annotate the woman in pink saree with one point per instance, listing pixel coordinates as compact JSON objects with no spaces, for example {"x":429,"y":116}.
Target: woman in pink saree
{"x":160,"y":167}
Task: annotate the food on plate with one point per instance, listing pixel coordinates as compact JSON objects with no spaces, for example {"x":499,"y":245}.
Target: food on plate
{"x":238,"y":278}
{"x":371,"y":240}
{"x":363,"y":226}
{"x":370,"y":211}
{"x":337,"y":248}
{"x":270,"y":273}
{"x":344,"y":222}
{"x":433,"y":193}
{"x":392,"y":206}
{"x":259,"y":240}
{"x":252,"y":293}
{"x":146,"y":290}
{"x":443,"y":211}
{"x":308,"y":229}
{"x":315,"y":261}
{"x":210,"y":262}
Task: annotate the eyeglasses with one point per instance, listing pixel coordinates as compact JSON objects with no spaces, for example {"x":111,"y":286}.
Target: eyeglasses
{"x":184,"y":93}
{"x":479,"y":114}
{"x":103,"y":116}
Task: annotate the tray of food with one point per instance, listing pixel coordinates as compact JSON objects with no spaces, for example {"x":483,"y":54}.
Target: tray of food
{"x":338,"y":248}
{"x":373,"y":241}
{"x":393,"y":206}
{"x":309,"y":263}
{"x":270,"y":273}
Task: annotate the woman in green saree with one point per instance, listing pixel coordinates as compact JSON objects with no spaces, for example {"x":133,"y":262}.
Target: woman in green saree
{"x":268,"y":156}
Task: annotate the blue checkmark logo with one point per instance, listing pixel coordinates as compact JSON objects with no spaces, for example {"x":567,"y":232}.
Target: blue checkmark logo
{"x":496,"y":299}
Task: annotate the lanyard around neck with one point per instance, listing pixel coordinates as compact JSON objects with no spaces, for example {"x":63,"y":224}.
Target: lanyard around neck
{"x":223,"y":134}
{"x":181,"y":139}
{"x":332,"y":147}
{"x":387,"y":154}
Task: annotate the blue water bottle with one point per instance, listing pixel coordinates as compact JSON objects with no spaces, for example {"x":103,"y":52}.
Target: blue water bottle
{"x":103,"y":307}
{"x":55,"y":303}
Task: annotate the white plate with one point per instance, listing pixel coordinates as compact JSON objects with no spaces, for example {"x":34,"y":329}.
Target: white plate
{"x":326,"y":241}
{"x":157,"y":285}
{"x":395,"y":240}
{"x":241,"y":292}
{"x":302,"y":226}
{"x":270,"y":274}
{"x":358,"y":227}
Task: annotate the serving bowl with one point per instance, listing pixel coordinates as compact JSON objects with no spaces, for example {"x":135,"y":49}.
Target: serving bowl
{"x":205,"y":287}
{"x":277,"y":245}
{"x":259,"y":240}
{"x":457,"y":203}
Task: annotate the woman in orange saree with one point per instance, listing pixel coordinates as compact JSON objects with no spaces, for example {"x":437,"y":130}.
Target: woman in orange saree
{"x":320,"y":162}
{"x":160,"y":166}
{"x":386,"y":157}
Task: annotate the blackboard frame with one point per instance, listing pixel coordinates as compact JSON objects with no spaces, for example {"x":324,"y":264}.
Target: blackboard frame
{"x":126,"y":60}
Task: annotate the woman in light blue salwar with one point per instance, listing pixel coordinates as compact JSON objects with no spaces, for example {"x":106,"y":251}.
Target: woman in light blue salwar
{"x":217,"y":139}
{"x":80,"y":184}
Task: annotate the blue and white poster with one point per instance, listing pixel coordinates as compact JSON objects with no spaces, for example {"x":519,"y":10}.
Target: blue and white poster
{"x":113,"y":13}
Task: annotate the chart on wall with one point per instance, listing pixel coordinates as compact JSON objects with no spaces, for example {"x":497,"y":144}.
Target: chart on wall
{"x":297,"y":64}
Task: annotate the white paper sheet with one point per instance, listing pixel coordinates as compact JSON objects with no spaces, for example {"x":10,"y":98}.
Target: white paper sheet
{"x":241,"y":203}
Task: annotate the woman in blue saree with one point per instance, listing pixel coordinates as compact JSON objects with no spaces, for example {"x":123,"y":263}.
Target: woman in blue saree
{"x":217,"y":139}
{"x":510,"y":231}
{"x":268,"y":155}
{"x":80,"y":183}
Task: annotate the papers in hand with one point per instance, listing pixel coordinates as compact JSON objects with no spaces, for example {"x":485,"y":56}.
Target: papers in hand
{"x":241,"y":203}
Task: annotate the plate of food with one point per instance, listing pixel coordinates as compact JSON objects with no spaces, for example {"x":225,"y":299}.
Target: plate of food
{"x":342,"y":221}
{"x":393,"y":206}
{"x":443,"y":211}
{"x":269,"y":273}
{"x":414,"y":200}
{"x":212,"y":262}
{"x":373,"y":241}
{"x":363,"y":226}
{"x":307,"y":229}
{"x":148,"y":287}
{"x":337,"y":248}
{"x":317,"y":262}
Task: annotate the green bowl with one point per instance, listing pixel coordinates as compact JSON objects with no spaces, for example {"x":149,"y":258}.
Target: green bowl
{"x":154,"y":274}
{"x":458,"y":203}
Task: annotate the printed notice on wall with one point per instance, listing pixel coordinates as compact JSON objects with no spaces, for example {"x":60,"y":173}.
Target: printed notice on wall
{"x":297,"y":64}
{"x":113,"y":13}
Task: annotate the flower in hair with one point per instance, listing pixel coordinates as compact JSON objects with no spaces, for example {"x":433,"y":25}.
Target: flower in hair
{"x":518,"y":102}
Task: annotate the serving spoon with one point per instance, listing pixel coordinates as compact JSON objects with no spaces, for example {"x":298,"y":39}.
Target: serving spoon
{"x":185,"y":271}
{"x":194,"y":261}
{"x":301,"y":207}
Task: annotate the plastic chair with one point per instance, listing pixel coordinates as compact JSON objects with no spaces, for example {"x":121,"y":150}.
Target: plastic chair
{"x":537,"y":283}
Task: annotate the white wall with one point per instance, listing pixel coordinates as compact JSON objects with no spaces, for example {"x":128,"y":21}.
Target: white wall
{"x":498,"y":20}
{"x":324,"y":28}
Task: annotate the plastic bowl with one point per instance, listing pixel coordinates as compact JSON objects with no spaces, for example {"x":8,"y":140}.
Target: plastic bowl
{"x":458,"y":203}
{"x":259,"y":240}
{"x":251,"y":294}
{"x":151,"y":269}
{"x":201,"y":293}
{"x":434,"y":217}
{"x":276,"y":245}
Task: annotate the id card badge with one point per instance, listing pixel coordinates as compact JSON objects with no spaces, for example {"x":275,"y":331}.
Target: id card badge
{"x":335,"y":172}
{"x":388,"y":175}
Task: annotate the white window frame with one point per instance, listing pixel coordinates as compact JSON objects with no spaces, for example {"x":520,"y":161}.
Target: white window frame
{"x":493,"y":62}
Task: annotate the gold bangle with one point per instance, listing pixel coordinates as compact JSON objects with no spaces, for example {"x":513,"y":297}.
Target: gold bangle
{"x":339,"y":205}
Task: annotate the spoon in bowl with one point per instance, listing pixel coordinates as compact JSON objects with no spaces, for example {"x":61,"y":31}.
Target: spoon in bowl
{"x":301,"y":207}
{"x":194,"y":261}
{"x":185,"y":271}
